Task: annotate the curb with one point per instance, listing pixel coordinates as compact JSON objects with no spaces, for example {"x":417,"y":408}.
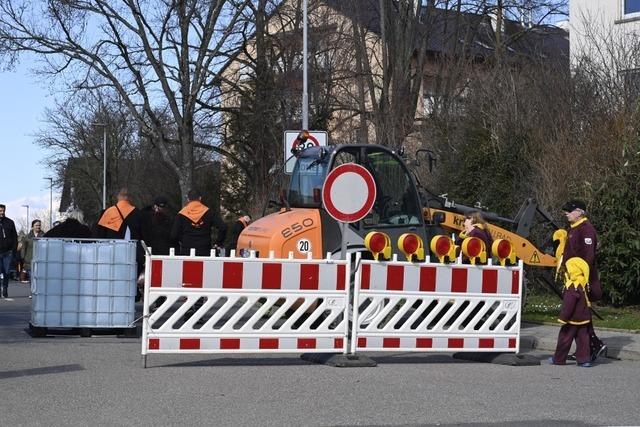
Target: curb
{"x":622,"y":345}
{"x":599,"y":328}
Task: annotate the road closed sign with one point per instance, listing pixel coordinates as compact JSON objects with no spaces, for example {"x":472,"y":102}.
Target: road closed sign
{"x":315,"y":138}
{"x":349,"y":192}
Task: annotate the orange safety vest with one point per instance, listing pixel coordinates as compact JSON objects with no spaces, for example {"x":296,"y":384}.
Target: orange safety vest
{"x":113,"y":217}
{"x":194,"y":210}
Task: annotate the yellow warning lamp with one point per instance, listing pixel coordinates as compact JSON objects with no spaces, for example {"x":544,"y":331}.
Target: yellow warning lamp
{"x":444,"y":248}
{"x":378,"y":243}
{"x":474,"y":249}
{"x":411,"y":246}
{"x":503,"y":250}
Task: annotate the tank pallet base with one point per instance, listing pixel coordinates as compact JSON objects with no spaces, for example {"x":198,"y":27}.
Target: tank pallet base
{"x":85,"y":332}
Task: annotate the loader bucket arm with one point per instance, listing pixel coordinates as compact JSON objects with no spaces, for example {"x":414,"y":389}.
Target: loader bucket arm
{"x":453,"y":222}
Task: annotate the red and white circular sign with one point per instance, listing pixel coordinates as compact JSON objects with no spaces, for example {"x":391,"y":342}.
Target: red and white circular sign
{"x":349,"y":192}
{"x":310,"y":142}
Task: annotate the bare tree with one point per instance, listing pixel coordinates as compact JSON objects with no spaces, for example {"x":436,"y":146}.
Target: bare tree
{"x":392,"y":68}
{"x":160,"y":57}
{"x":261,"y":88}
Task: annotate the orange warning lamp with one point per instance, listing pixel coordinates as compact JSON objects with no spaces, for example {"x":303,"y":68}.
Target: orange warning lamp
{"x":444,"y":248}
{"x":474,"y":249}
{"x":378,"y":243}
{"x":503,"y":250}
{"x":411,"y":246}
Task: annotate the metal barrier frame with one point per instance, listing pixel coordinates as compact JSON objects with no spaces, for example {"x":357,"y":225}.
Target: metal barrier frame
{"x":437,"y":339}
{"x":242,"y":340}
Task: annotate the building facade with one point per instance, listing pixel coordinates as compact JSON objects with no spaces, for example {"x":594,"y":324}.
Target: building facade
{"x":606,"y":32}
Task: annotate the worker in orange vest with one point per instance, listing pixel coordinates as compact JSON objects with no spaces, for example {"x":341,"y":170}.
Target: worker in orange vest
{"x":193,"y":224}
{"x":120,"y":221}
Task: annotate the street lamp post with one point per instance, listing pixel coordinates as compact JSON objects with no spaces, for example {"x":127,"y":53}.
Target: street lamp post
{"x":50,"y":201}
{"x":27,"y":206}
{"x":305,"y":95}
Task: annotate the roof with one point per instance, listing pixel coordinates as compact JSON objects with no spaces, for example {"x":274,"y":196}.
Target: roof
{"x":448,"y":30}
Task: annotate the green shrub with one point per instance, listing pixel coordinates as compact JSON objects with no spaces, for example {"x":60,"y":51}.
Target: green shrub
{"x":616,"y":215}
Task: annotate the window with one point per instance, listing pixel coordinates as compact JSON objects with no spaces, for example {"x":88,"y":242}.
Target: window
{"x":631,"y":6}
{"x":306,"y":182}
{"x":396,"y":200}
{"x":429,"y":101}
{"x":429,"y":97}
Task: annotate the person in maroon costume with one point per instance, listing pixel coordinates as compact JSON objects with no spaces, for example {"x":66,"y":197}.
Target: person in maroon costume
{"x":574,"y":315}
{"x":582,"y":241}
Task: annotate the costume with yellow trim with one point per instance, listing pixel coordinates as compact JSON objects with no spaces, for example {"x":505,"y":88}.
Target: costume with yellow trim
{"x":581,"y":241}
{"x":192,"y":229}
{"x":575,"y":315}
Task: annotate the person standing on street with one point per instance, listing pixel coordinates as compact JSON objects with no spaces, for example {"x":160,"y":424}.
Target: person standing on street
{"x":193,"y":224}
{"x":192,"y":230}
{"x":26,"y":247}
{"x":574,"y":315}
{"x":581,"y":242}
{"x":156,"y":226}
{"x":156,"y":233}
{"x":123,"y":221}
{"x":236,"y":229}
{"x":8,"y":244}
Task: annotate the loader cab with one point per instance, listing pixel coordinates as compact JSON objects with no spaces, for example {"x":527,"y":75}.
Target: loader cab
{"x":396,"y":209}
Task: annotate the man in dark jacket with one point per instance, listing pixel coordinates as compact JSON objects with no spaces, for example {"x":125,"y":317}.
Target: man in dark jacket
{"x":120,"y":221}
{"x":156,"y":226}
{"x":8,"y":244}
{"x":193,"y":224}
{"x":582,"y":240}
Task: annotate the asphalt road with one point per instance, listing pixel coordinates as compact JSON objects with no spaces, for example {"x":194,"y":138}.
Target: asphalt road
{"x":69,"y":380}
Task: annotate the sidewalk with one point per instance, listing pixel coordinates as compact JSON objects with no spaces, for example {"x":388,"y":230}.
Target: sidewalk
{"x":622,"y":345}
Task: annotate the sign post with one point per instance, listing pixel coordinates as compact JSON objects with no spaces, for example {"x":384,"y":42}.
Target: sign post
{"x":348,"y":194}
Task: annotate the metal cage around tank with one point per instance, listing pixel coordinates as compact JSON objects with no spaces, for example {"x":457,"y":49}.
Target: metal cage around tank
{"x":89,"y":283}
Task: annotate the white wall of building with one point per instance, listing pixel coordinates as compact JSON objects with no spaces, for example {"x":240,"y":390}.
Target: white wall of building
{"x":601,"y":30}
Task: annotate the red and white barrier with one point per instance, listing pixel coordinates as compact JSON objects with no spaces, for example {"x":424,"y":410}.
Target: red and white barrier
{"x":255,"y":305}
{"x":244,"y":305}
{"x":247,"y":274}
{"x":290,"y":345}
{"x":402,"y":306}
